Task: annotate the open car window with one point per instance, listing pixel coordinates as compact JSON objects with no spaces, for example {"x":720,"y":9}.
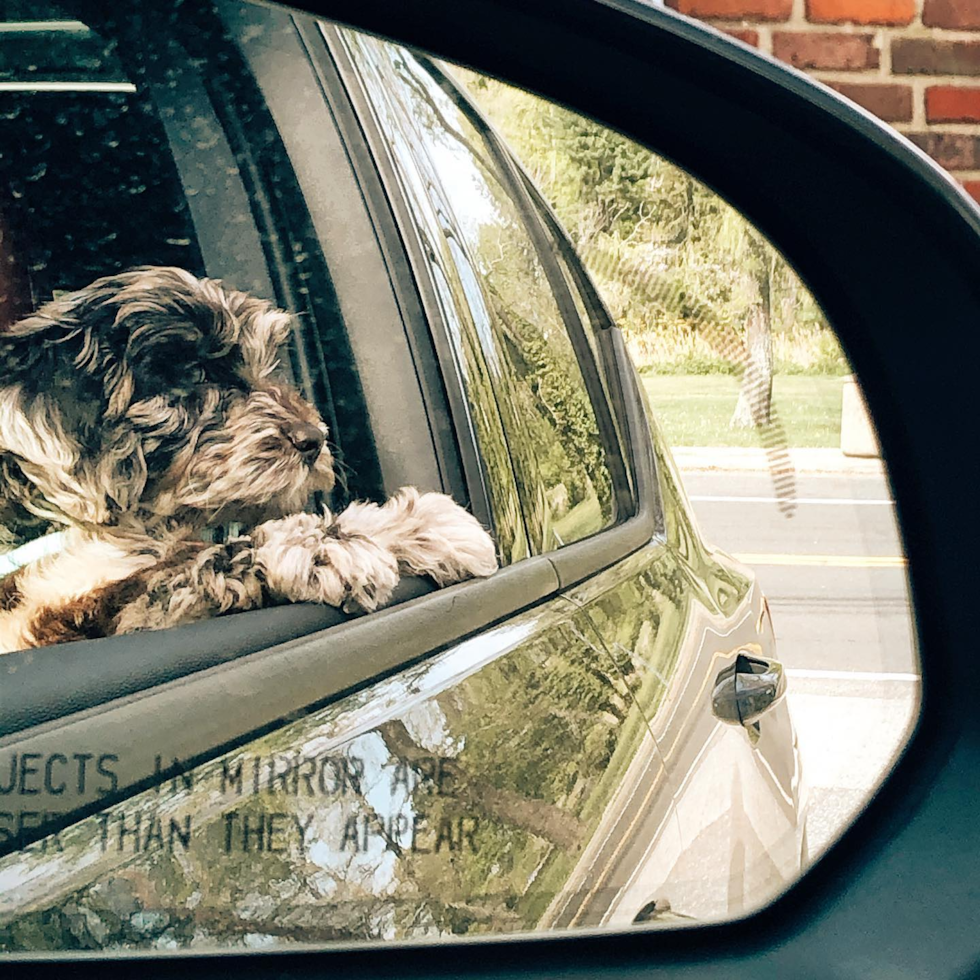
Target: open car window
{"x":151,"y":145}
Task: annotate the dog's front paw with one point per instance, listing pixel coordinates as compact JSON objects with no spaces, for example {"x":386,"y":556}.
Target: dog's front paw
{"x":451,"y":544}
{"x":432,"y":535}
{"x":308,"y":558}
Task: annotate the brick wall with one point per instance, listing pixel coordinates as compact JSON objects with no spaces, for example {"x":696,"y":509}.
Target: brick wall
{"x":914,"y":63}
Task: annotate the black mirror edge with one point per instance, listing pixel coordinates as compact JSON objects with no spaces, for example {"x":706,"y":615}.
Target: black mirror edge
{"x":892,"y":249}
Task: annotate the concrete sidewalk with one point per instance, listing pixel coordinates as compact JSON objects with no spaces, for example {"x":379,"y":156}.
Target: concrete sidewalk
{"x":850,"y":733}
{"x":730,"y":459}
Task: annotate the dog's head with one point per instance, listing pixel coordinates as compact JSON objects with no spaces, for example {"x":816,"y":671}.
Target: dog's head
{"x":154,"y":394}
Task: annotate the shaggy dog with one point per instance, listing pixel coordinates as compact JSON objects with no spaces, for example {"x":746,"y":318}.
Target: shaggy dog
{"x":138,"y":411}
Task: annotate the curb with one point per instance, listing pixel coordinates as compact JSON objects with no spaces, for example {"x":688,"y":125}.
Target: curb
{"x":752,"y":460}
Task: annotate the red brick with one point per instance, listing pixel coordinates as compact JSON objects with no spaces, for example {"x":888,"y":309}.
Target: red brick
{"x":920,"y":56}
{"x":828,"y":50}
{"x":892,"y":103}
{"x":860,"y":11}
{"x":972,"y":187}
{"x":749,"y":37}
{"x":961,"y":15}
{"x":951,"y":103}
{"x":954,"y":151}
{"x":734,"y":9}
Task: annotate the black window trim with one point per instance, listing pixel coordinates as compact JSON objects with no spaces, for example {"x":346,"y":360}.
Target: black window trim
{"x":287,"y":225}
{"x":599,"y":315}
{"x":446,"y":402}
{"x":267,"y":37}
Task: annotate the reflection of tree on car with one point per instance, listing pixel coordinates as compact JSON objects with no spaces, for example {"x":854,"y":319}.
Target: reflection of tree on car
{"x":501,"y":783}
{"x":691,"y":282}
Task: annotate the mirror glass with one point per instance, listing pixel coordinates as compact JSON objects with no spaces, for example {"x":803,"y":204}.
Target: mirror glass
{"x":670,"y":734}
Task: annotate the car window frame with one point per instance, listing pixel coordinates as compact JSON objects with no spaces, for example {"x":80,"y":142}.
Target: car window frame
{"x":601,"y":320}
{"x":644,"y":522}
{"x":393,"y":212}
{"x":542,"y":228}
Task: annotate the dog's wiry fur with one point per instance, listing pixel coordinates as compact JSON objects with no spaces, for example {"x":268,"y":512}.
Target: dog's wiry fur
{"x":144,"y":408}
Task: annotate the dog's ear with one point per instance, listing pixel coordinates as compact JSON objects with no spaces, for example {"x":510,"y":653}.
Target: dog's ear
{"x":45,"y":349}
{"x":60,"y":368}
{"x":39,"y":445}
{"x":133,"y":335}
{"x":46,"y":467}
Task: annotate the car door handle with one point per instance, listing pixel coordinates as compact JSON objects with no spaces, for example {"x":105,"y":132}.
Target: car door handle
{"x":747,"y":688}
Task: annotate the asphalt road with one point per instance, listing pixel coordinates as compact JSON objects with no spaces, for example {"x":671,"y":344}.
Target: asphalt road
{"x":833,"y":571}
{"x":835,"y":578}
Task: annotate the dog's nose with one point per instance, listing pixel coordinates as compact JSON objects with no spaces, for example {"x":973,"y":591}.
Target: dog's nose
{"x":308,"y":439}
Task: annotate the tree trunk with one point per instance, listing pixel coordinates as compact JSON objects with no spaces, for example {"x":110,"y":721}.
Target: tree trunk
{"x":538,"y":817}
{"x":755,"y":396}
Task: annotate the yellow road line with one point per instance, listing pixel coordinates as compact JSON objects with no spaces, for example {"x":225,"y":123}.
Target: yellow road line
{"x":826,"y":561}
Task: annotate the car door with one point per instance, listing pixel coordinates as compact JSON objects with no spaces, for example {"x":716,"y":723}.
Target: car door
{"x":674,"y":615}
{"x":455,"y":797}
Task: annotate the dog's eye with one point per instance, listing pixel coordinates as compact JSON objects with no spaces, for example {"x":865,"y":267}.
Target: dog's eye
{"x":160,"y":375}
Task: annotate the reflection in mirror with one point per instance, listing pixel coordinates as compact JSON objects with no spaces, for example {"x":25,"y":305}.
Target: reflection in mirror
{"x":670,"y":738}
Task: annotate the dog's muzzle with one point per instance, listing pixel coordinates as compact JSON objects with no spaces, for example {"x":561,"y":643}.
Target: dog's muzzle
{"x":307,"y":439}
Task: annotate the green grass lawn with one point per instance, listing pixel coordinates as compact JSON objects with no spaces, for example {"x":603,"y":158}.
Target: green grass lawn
{"x":694,"y":410}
